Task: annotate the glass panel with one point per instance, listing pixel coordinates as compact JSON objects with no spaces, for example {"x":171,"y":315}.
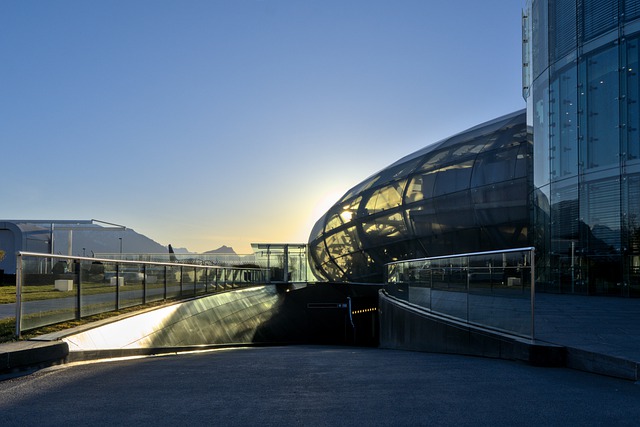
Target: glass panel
{"x":564,"y":34}
{"x":564,"y":124}
{"x":448,"y":294}
{"x":318,"y":228}
{"x":452,"y":178}
{"x":565,"y":237}
{"x":494,"y":166}
{"x":131,"y":291}
{"x":540,"y":33}
{"x":434,"y":160}
{"x":600,"y":209}
{"x":155,"y":283}
{"x":385,"y":227}
{"x":48,"y":292}
{"x":355,"y":265}
{"x":99,"y":288}
{"x":492,"y":290}
{"x":633,"y":100}
{"x":541,"y":147}
{"x":385,"y":198}
{"x":602,"y":215}
{"x":631,"y":9}
{"x":423,"y":220}
{"x":632,"y":230}
{"x":454,"y":211}
{"x":501,"y":203}
{"x":342,"y":243}
{"x":332,"y":271}
{"x":602,"y":138}
{"x":421,"y":187}
{"x":597,"y":17}
{"x":343,"y":213}
{"x":173,"y":282}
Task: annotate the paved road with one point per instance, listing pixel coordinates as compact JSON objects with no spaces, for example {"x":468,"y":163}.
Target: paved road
{"x":305,"y":385}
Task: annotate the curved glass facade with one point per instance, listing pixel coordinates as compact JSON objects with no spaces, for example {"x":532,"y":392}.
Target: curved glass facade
{"x":585,"y":105}
{"x":467,"y":193}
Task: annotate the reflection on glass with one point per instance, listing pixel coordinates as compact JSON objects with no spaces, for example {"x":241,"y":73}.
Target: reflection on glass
{"x":488,"y":289}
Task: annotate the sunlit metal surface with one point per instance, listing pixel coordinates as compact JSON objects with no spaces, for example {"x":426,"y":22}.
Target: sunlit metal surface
{"x":230,"y":317}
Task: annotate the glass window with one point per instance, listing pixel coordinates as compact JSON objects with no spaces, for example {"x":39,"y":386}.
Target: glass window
{"x":597,"y":17}
{"x":355,"y":265}
{"x":343,"y":243}
{"x":454,"y":211}
{"x":423,"y":220}
{"x":494,"y":166}
{"x":601,"y":212}
{"x":602,"y":114}
{"x":453,"y":177}
{"x":563,"y":135}
{"x":541,"y":132}
{"x":435,"y":159}
{"x":539,"y":24}
{"x":564,"y":35}
{"x":385,"y":227}
{"x":343,"y":213}
{"x":633,"y":100}
{"x":565,"y":214}
{"x":501,"y":203}
{"x":385,"y":198}
{"x":631,"y":9}
{"x":317,"y":228}
{"x":421,"y":187}
{"x":632,"y":193}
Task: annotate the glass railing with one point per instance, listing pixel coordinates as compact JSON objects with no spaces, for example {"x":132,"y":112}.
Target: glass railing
{"x":55,"y":288}
{"x":492,"y":290}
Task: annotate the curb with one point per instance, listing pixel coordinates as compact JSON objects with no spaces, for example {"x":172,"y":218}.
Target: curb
{"x":27,"y":356}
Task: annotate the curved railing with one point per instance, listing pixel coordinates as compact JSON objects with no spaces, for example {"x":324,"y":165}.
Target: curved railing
{"x":493,"y":289}
{"x":56,"y":288}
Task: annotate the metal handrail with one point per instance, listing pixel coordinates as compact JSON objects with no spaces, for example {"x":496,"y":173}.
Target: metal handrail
{"x":124,"y":261}
{"x":504,"y":251}
{"x":530,"y":249}
{"x":20,"y":273}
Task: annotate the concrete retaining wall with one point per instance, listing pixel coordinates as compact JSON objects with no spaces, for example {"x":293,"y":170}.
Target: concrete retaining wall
{"x":405,"y":326}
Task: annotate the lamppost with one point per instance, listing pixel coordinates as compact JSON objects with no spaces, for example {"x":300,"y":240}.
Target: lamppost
{"x":120,"y":246}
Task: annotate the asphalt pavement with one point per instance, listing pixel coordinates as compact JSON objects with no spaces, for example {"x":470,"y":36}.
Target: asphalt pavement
{"x":313,"y":385}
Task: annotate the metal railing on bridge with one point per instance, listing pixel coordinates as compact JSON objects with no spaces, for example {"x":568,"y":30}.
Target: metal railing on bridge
{"x":57,"y":288}
{"x":494,"y":290}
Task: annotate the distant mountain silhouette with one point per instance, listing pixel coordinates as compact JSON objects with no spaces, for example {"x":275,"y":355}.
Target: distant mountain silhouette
{"x":85,"y":242}
{"x":222,"y":250}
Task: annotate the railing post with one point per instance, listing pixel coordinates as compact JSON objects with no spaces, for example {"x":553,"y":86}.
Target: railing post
{"x":533,"y":293}
{"x":78,"y":266}
{"x":19,"y":274}
{"x":165,"y":282}
{"x":117,"y":286}
{"x":144,"y":283}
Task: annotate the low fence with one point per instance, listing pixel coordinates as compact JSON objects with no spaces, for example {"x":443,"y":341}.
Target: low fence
{"x":493,"y":290}
{"x":56,"y":288}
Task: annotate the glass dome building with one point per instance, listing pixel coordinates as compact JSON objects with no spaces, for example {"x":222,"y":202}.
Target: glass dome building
{"x":467,"y":193}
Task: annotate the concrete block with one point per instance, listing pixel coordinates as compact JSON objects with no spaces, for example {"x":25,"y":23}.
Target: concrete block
{"x":63,"y":285}
{"x":120,"y":280}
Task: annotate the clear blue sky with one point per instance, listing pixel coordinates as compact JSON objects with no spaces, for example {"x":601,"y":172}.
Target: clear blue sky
{"x":209,"y":123}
